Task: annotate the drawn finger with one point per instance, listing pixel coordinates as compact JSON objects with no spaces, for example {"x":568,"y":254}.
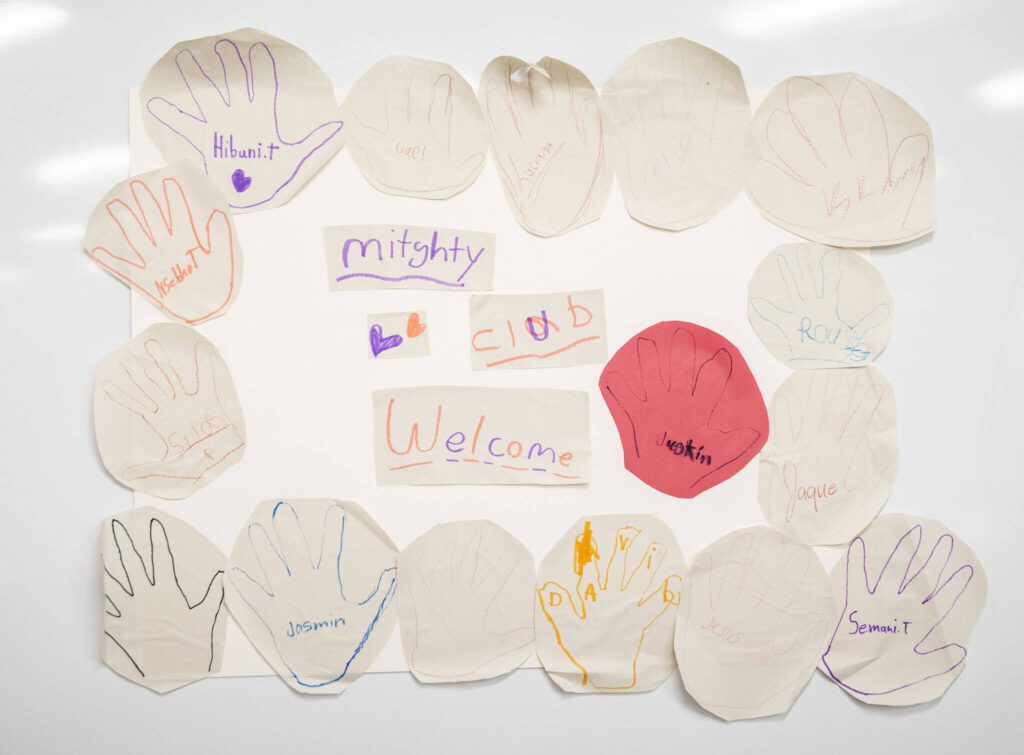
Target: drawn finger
{"x":207,"y":92}
{"x":875,"y":317}
{"x":236,"y":86}
{"x":931,"y":567}
{"x":858,"y":583}
{"x":131,"y":561}
{"x":332,"y":540}
{"x":790,"y":151}
{"x":704,"y":102}
{"x":640,"y":578}
{"x":737,"y":563}
{"x":861,"y":416}
{"x":865,"y":132}
{"x":179,"y":215}
{"x":771,"y":312}
{"x":205,"y":375}
{"x":902,"y":561}
{"x":152,"y":213}
{"x":830,"y":265}
{"x":439,"y":110}
{"x":698,"y":585}
{"x":648,"y":359}
{"x":809,"y":272}
{"x":133,"y":222}
{"x":169,"y":372}
{"x":711,"y":380}
{"x":162,"y":557}
{"x":795,"y":564}
{"x":263,"y":83}
{"x":945,"y":597}
{"x":787,"y":275}
{"x":133,"y":402}
{"x":211,"y":601}
{"x":192,"y":128}
{"x":272,"y":563}
{"x":558,"y":604}
{"x":682,"y":356}
{"x":660,"y":602}
{"x":252,"y":592}
{"x":616,"y":564}
{"x":815,"y":113}
{"x":125,"y":265}
{"x":909,"y":161}
{"x":291,"y":539}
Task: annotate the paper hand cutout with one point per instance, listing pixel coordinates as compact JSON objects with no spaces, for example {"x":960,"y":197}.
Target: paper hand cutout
{"x":185,"y":265}
{"x":827,"y":458}
{"x":813,"y":325}
{"x":192,"y":425}
{"x":239,"y":98}
{"x":547,"y":137}
{"x":415,"y":128}
{"x":754,"y":625}
{"x":893,"y":633}
{"x":167,"y":637}
{"x":318,"y":624}
{"x":581,"y":614}
{"x":472,"y":603}
{"x":838,"y":162}
{"x":665,"y":400}
{"x":681,"y":117}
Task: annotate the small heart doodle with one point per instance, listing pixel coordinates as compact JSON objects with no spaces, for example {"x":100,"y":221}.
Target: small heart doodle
{"x":414,"y":327}
{"x":240,"y":180}
{"x":379,"y":343}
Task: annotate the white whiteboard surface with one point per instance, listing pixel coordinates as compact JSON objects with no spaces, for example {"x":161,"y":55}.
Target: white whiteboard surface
{"x":955,"y":363}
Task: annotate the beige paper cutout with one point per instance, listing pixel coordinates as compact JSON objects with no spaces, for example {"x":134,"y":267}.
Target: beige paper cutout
{"x":167,"y":417}
{"x":548,"y":140}
{"x":397,"y":335}
{"x":537,"y":330}
{"x":466,"y":603}
{"x":311,"y":583}
{"x":844,"y":161}
{"x":414,"y":128}
{"x":683,"y":143}
{"x":911,"y":592}
{"x":169,"y":235}
{"x":830,"y":460}
{"x":256,"y":113}
{"x":607,"y":602}
{"x":163,"y":624}
{"x":465,"y":435}
{"x":755,"y":615}
{"x":816,"y":306}
{"x":365,"y":257}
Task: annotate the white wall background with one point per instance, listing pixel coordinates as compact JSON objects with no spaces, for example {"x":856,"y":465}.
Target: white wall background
{"x":956,"y":361}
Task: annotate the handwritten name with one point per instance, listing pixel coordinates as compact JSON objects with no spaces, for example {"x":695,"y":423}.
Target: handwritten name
{"x":296,"y":628}
{"x":815,"y":493}
{"x":685,"y":449}
{"x":859,"y":627}
{"x":230,"y":152}
{"x":721,"y":631}
{"x":821,"y":334}
{"x":178,"y":273}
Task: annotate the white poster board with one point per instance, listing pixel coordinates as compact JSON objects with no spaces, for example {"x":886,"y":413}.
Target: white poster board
{"x":297,"y":352}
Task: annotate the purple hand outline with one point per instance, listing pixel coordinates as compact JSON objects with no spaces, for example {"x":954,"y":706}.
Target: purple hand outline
{"x":915,"y":583}
{"x":237,"y":106}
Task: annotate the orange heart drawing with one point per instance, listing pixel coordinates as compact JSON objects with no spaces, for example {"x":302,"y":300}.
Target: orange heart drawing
{"x":414,"y":327}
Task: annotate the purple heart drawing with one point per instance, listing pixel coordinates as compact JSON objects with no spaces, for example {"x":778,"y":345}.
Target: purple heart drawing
{"x":379,"y":344}
{"x":240,"y":180}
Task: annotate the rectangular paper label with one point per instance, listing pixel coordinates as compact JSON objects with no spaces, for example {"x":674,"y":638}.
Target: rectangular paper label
{"x":460,"y":435}
{"x":537,"y":330}
{"x":361,"y":257}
